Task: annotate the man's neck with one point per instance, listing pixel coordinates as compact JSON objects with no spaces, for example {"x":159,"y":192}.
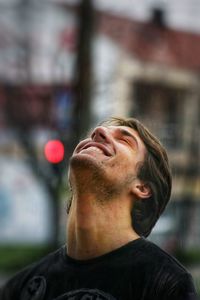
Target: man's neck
{"x":94,"y":229}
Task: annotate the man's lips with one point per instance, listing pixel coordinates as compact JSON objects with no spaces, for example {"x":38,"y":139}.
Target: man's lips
{"x":107,"y":151}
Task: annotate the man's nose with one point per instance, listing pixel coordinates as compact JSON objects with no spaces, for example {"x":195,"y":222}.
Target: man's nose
{"x":100,"y":134}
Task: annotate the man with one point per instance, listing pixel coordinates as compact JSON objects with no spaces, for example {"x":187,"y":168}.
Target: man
{"x":121,"y":182}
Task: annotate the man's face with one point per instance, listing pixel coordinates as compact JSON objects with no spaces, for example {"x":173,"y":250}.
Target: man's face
{"x":110,"y":155}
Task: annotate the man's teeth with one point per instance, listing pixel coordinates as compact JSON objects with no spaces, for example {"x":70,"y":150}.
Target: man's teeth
{"x":93,"y":148}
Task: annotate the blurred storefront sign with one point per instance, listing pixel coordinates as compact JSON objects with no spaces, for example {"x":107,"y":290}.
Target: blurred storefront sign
{"x":39,"y":106}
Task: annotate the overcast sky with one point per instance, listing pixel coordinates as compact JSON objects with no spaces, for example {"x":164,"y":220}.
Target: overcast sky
{"x":180,"y":14}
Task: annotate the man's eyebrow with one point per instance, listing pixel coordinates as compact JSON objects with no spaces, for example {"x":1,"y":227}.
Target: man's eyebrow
{"x":127,"y":133}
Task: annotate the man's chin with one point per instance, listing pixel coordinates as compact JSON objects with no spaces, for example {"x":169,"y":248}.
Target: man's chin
{"x":90,"y":175}
{"x":81,"y":161}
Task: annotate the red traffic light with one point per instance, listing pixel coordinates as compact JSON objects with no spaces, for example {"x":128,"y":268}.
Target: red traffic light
{"x":54,"y":151}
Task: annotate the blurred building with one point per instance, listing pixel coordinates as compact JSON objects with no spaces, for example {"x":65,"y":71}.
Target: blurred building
{"x":150,"y":71}
{"x":179,"y":14}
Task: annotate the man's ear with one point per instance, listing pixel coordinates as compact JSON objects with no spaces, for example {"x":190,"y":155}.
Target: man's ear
{"x":141,"y":190}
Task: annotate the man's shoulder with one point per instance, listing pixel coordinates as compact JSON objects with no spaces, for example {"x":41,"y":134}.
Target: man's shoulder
{"x":37,"y":269}
{"x":42,"y":266}
{"x":163,"y":272}
{"x":153,"y":255}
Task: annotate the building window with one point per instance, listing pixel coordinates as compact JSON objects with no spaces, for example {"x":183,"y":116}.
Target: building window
{"x":160,"y":108}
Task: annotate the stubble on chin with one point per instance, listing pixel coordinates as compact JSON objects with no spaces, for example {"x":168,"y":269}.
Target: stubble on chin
{"x":91,"y":177}
{"x":82,"y":167}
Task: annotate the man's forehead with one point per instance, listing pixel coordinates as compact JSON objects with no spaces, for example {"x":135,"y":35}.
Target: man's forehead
{"x":113,"y":126}
{"x":123,"y":129}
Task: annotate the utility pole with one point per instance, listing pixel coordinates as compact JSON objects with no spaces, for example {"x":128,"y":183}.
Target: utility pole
{"x":83,"y":71}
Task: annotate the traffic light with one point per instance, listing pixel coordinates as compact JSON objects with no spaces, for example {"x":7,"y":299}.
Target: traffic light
{"x":54,"y":151}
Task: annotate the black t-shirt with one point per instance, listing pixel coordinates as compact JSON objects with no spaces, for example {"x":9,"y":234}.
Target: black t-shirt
{"x":139,"y":270}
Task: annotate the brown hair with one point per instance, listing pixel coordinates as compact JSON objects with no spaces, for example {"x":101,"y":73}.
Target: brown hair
{"x":154,"y":171}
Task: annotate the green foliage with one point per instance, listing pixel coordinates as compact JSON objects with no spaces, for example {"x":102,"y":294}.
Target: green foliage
{"x":188,"y":257}
{"x":13,"y":258}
